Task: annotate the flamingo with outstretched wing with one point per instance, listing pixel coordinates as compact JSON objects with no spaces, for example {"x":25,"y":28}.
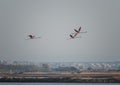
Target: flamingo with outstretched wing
{"x":74,"y":35}
{"x":32,"y":37}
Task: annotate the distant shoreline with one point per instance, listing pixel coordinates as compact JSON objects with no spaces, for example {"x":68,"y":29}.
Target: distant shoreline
{"x":58,"y":80}
{"x":82,"y":77}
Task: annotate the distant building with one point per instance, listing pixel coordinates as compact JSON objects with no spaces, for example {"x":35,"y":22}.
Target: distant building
{"x":46,"y":67}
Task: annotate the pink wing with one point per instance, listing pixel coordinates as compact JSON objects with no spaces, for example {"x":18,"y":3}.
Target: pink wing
{"x":76,"y":30}
{"x":31,"y":36}
{"x":75,"y":34}
{"x":71,"y":36}
{"x":79,"y":29}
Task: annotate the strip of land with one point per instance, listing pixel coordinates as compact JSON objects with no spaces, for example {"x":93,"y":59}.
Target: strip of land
{"x":81,"y":77}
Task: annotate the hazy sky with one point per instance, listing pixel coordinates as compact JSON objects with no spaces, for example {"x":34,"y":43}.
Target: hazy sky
{"x":54,"y":20}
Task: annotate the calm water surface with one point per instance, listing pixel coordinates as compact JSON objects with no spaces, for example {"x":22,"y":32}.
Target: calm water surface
{"x":59,"y":83}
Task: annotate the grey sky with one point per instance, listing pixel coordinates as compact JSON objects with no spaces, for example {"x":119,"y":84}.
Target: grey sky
{"x":54,"y":20}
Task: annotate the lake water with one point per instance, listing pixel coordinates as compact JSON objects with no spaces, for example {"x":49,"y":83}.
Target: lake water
{"x":59,"y":83}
